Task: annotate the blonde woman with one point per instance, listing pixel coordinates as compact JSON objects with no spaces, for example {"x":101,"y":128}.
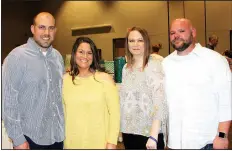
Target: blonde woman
{"x":142,"y":98}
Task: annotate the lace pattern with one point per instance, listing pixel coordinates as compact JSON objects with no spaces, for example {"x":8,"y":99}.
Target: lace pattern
{"x":142,"y":99}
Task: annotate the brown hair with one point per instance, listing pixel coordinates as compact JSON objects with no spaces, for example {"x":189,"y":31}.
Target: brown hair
{"x":147,"y":47}
{"x":95,"y":66}
{"x":156,"y":48}
{"x":228,"y":53}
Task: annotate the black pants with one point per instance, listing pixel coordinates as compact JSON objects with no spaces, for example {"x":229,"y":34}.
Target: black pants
{"x":132,"y":141}
{"x":32,"y":145}
{"x":207,"y":147}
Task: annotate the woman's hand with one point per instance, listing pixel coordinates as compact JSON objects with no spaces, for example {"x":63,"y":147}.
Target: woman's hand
{"x":151,"y":144}
{"x":110,"y":146}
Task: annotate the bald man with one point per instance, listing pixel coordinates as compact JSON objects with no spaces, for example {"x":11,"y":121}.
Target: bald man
{"x":31,"y":90}
{"x":198,"y":90}
{"x":213,"y":41}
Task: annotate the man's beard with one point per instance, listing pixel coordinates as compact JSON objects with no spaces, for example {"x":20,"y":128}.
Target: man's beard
{"x":43,"y":44}
{"x":185,"y":45}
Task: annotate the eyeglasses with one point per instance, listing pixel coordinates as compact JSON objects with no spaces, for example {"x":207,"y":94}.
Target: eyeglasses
{"x":44,"y":28}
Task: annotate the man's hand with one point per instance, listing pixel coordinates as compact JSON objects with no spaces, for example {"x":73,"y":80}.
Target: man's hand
{"x":110,"y":146}
{"x":25,"y":145}
{"x":151,"y":144}
{"x":220,"y":143}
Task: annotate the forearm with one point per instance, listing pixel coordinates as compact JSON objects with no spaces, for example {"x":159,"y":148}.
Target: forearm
{"x":13,"y":128}
{"x":224,"y":127}
{"x":11,"y":115}
{"x":155,"y":129}
{"x":219,"y":142}
{"x":114,"y":126}
{"x":11,"y":77}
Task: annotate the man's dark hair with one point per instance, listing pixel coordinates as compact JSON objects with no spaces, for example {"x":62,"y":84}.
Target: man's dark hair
{"x":156,"y":48}
{"x":228,"y":53}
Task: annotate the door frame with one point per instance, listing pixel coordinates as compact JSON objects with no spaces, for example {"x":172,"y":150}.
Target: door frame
{"x":114,"y":45}
{"x":230,"y":39}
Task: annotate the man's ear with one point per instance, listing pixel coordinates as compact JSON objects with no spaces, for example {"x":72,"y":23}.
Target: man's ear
{"x":56,"y":29}
{"x":32,"y":29}
{"x":194,"y":32}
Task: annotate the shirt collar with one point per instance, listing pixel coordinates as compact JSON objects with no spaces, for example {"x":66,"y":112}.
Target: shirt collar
{"x":34,"y":46}
{"x":196,"y":50}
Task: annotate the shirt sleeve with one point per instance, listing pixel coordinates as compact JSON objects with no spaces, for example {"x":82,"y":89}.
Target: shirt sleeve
{"x":121,"y":93}
{"x":112,"y":102}
{"x":156,"y":81}
{"x":64,"y":85}
{"x":11,"y":79}
{"x":62,"y":63}
{"x":123,"y":72}
{"x":222,"y":75}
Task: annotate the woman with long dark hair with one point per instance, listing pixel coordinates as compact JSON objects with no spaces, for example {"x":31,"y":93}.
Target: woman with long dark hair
{"x":91,"y":101}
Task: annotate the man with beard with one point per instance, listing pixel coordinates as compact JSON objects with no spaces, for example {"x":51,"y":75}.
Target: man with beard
{"x":198,"y":91}
{"x":31,"y":90}
{"x":213,"y":41}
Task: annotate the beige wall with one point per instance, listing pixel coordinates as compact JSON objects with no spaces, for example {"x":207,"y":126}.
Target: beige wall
{"x":151,"y":15}
{"x":219,"y":22}
{"x":218,"y":19}
{"x":194,"y":10}
{"x":176,"y":10}
{"x":121,"y":15}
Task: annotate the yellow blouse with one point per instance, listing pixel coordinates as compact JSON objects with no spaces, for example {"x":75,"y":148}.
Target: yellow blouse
{"x":92,"y":112}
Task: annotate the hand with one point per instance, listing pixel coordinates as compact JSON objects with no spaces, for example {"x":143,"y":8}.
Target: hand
{"x":151,"y":144}
{"x":25,"y":145}
{"x":110,"y":146}
{"x":220,"y":143}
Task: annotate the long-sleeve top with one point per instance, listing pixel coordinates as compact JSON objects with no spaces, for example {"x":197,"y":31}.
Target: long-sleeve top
{"x":142,"y":98}
{"x":31,"y":94}
{"x":198,"y":90}
{"x":157,"y":57}
{"x":92,"y":113}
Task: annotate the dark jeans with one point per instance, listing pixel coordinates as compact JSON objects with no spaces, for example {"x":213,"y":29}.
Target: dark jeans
{"x":207,"y":147}
{"x":132,"y":141}
{"x":33,"y":145}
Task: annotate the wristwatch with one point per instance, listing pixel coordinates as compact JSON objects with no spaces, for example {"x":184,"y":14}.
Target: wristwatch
{"x":222,"y":135}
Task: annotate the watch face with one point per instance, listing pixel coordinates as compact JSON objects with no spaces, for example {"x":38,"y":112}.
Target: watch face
{"x":222,"y":135}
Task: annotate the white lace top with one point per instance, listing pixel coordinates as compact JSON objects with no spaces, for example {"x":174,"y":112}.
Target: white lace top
{"x":142,"y":98}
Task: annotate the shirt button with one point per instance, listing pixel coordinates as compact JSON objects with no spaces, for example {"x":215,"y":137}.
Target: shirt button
{"x":52,"y":91}
{"x":50,"y":79}
{"x":54,"y":114}
{"x":53,"y":103}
